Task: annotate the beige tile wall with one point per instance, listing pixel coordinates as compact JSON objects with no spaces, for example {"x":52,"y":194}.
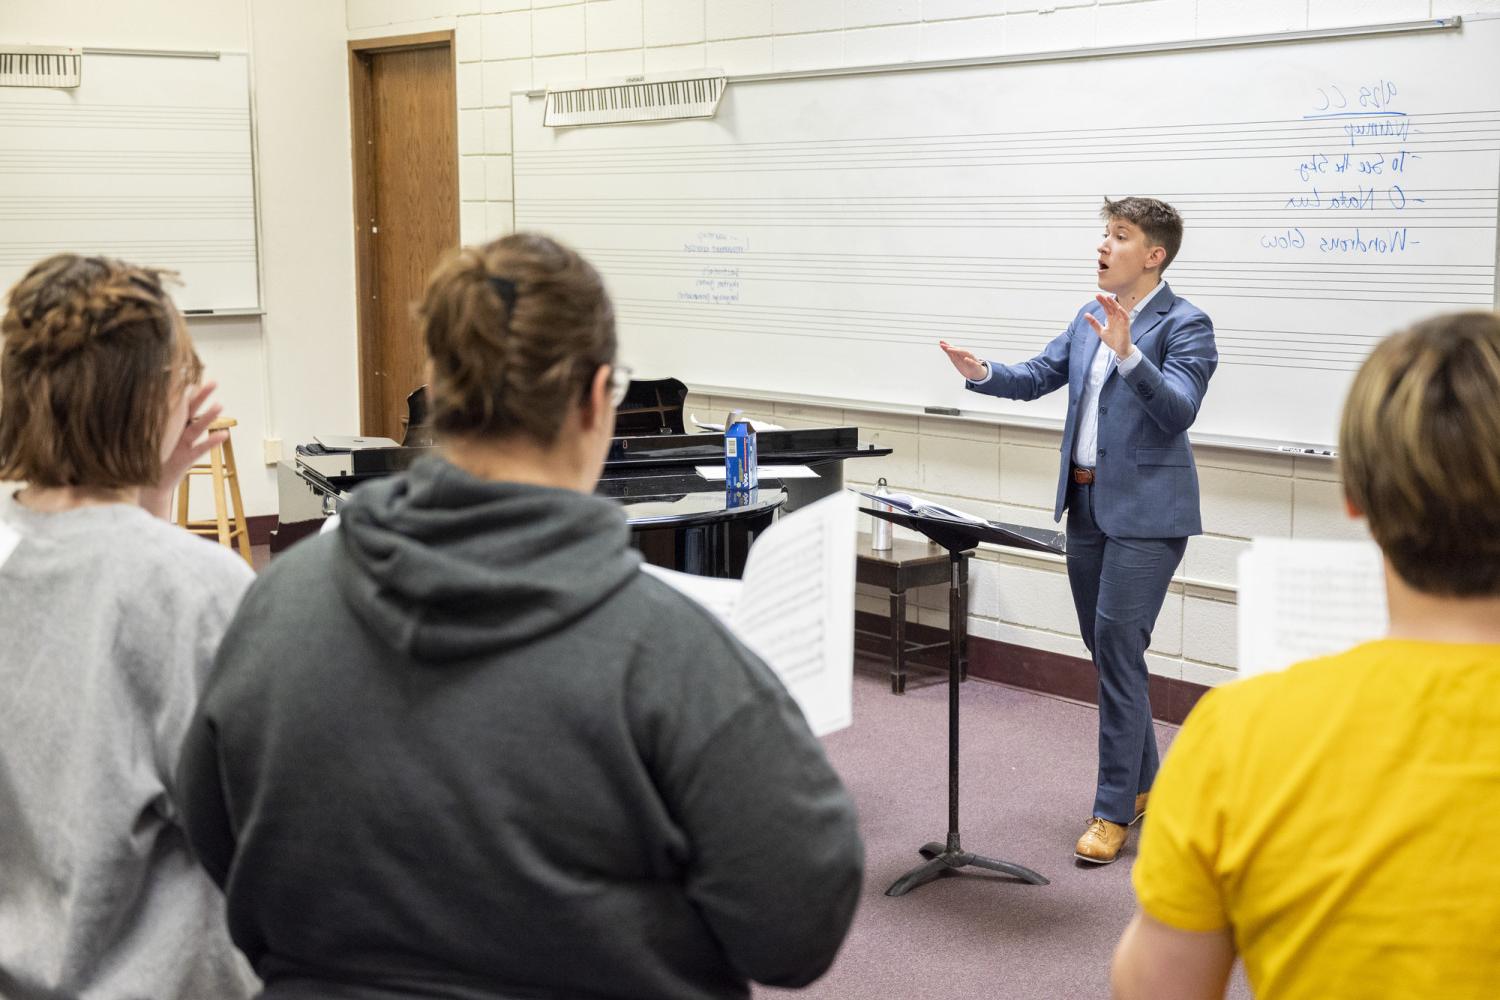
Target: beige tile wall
{"x":1010,"y":473}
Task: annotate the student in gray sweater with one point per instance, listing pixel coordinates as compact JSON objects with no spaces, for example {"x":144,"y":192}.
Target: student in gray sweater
{"x":462,"y":747}
{"x":110,"y":618}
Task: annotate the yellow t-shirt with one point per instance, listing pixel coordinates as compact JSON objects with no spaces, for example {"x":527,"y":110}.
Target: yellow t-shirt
{"x":1343,"y":818}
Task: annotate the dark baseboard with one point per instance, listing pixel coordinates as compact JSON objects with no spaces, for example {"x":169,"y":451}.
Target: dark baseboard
{"x":261,"y":527}
{"x":1039,"y":670}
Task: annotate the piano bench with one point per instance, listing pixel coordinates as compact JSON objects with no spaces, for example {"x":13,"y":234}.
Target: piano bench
{"x":907,"y":564}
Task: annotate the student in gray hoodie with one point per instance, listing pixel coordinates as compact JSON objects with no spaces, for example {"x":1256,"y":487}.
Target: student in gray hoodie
{"x":462,"y":747}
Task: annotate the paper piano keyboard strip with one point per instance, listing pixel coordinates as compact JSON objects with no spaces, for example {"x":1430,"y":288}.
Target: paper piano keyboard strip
{"x":36,"y":66}
{"x":635,"y":100}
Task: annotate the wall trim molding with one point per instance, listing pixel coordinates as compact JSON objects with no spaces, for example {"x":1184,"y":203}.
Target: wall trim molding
{"x":1032,"y":669}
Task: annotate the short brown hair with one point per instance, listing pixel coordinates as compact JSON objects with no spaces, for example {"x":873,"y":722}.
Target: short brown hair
{"x":1158,"y":220}
{"x":1420,"y":451}
{"x":515,"y":330}
{"x":93,"y":349}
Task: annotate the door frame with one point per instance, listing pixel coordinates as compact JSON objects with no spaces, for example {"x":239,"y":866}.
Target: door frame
{"x":362,"y":153}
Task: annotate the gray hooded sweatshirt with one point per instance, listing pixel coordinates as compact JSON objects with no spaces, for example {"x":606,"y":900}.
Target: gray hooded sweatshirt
{"x":463,"y":747}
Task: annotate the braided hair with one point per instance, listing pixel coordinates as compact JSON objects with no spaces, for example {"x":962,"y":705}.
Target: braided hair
{"x":92,"y":350}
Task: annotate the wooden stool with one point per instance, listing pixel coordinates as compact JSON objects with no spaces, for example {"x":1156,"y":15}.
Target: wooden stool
{"x":220,"y":466}
{"x":905,"y":565}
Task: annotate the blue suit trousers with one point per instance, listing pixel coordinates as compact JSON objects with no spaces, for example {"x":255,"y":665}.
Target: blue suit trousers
{"x":1119,"y":585}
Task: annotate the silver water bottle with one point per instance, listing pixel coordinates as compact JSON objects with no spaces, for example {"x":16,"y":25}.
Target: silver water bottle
{"x":881,"y":529}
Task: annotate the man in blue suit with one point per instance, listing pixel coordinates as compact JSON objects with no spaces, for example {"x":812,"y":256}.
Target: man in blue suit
{"x":1136,"y":363}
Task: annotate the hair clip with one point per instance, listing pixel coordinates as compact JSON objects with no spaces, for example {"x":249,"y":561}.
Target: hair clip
{"x":506,"y":289}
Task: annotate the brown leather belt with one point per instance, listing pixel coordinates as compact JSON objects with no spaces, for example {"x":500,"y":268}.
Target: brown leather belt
{"x":1082,"y":476}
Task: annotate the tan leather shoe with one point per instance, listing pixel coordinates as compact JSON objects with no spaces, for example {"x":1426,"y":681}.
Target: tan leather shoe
{"x":1101,"y":842}
{"x":1140,"y":807}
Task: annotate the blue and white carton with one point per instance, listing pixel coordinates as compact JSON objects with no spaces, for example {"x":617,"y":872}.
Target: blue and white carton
{"x":741,"y":472}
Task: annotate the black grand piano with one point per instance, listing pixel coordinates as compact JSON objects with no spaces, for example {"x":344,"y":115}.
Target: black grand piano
{"x":678,"y":519}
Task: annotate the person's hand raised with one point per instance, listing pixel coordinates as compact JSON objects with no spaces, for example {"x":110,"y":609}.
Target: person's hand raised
{"x":1116,"y":332}
{"x":187,"y":439}
{"x":968,"y":365}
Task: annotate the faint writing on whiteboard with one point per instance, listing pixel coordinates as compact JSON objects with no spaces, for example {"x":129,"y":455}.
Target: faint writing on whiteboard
{"x":716,"y":241}
{"x":717,"y":283}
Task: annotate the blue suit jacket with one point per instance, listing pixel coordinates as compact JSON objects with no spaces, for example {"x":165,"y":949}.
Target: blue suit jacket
{"x":1145,"y":484}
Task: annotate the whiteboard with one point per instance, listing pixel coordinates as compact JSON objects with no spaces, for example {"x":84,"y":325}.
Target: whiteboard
{"x":820,"y":235}
{"x":149,"y":161}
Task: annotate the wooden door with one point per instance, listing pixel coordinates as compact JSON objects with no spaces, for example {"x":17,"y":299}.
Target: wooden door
{"x":406,"y":207}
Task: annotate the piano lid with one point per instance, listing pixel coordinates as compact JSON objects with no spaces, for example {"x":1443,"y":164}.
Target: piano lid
{"x":628,"y":456}
{"x":798,"y":446}
{"x":651,"y":406}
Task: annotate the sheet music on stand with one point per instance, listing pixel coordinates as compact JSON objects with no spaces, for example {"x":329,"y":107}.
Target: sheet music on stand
{"x":1300,"y":599}
{"x":907,"y":503}
{"x":794,"y":606}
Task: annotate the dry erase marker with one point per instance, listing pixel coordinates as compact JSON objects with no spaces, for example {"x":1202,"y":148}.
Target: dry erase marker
{"x":1287,"y":449}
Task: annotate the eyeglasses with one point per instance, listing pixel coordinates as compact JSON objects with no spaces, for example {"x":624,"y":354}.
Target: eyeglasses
{"x":619,"y":383}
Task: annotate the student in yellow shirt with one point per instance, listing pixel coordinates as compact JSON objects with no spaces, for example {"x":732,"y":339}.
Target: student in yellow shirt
{"x":1336,"y":824}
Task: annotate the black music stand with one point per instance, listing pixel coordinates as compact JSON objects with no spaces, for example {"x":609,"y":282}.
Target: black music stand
{"x":958,"y":537}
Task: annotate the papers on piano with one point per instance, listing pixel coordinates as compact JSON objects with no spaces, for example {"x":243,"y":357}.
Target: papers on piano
{"x":715,"y":473}
{"x":1304,"y":599}
{"x":342,"y":442}
{"x":756,"y":425}
{"x":795,"y":606}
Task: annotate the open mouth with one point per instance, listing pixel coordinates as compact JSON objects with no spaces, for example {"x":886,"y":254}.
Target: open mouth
{"x":1103,"y":266}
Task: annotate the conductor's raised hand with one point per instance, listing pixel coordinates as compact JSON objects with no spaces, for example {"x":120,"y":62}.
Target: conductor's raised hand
{"x":1115,"y":332}
{"x":968,"y":365}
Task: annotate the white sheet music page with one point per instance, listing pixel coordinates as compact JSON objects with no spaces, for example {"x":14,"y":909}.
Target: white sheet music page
{"x":795,"y":606}
{"x":1303,"y":599}
{"x":718,"y":596}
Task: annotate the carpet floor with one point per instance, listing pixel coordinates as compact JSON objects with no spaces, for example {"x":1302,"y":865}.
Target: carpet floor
{"x":1027,"y":777}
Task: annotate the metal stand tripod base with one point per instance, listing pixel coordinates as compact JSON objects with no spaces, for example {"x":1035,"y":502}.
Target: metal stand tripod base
{"x":942,"y":858}
{"x":950,"y":856}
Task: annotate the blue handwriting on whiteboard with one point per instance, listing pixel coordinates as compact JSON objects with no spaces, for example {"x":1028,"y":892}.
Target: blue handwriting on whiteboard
{"x":1371,"y":102}
{"x":1343,"y":163}
{"x":1393,"y":241}
{"x":1360,"y":199}
{"x":1376,"y":96}
{"x":1291,"y":239}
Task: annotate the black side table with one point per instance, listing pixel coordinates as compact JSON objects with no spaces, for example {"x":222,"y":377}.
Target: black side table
{"x":907,"y":564}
